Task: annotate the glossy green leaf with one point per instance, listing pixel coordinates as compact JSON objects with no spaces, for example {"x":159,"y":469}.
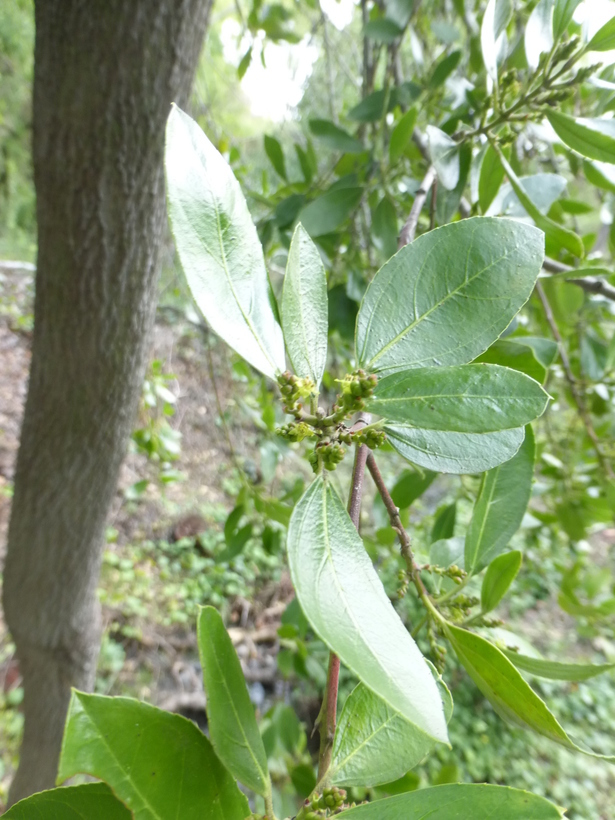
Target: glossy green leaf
{"x":327,"y":212}
{"x":592,"y":138}
{"x":230,"y":714}
{"x":274,"y":151}
{"x":373,"y":744}
{"x":335,"y":137}
{"x":219,"y":248}
{"x":385,"y":228}
{"x":459,"y":801}
{"x":180,"y":776}
{"x":500,"y":507}
{"x":345,"y":602}
{"x":539,"y":32}
{"x":93,"y":801}
{"x":567,"y":239}
{"x":500,"y":574}
{"x":402,"y":134}
{"x":410,"y":486}
{"x":516,"y":355}
{"x":458,"y":453}
{"x":471,"y":398}
{"x":443,"y":299}
{"x":604,"y":38}
{"x":504,"y":687}
{"x":491,"y":177}
{"x":554,"y":670}
{"x":445,"y":156}
{"x":304,"y":307}
{"x":562,"y":15}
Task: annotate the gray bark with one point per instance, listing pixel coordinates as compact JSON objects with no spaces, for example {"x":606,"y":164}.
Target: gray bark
{"x":105,"y":75}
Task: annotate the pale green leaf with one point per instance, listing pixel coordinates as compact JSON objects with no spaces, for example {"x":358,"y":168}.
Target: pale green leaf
{"x":539,"y":32}
{"x":542,"y":189}
{"x":505,"y":688}
{"x":555,"y":670}
{"x":327,"y":212}
{"x":500,"y":507}
{"x":562,"y":15}
{"x":513,"y":353}
{"x":459,"y":801}
{"x":444,"y":153}
{"x":444,"y":298}
{"x":500,"y":574}
{"x":493,"y":34}
{"x":401,"y":134}
{"x":345,"y":602}
{"x":374,"y":744}
{"x":592,"y":138}
{"x":230,"y":714}
{"x":93,"y":801}
{"x":471,"y":398}
{"x":178,"y":774}
{"x":604,"y":38}
{"x":219,"y":248}
{"x":459,"y":453}
{"x":274,"y":151}
{"x":304,"y":308}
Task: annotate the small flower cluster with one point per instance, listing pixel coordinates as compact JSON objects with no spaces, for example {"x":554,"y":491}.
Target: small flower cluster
{"x":295,"y":431}
{"x":437,"y":649}
{"x":293,"y":390}
{"x":356,"y":388}
{"x":331,"y":801}
{"x":328,"y":453}
{"x":372,"y":437}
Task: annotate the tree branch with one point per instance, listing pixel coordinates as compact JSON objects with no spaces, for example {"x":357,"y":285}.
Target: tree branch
{"x":589,"y":284}
{"x":408,"y":232}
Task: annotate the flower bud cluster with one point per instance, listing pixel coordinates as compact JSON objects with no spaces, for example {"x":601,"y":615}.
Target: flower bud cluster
{"x":331,"y":801}
{"x":293,"y":390}
{"x":356,"y":388}
{"x":295,"y":431}
{"x":438,"y":651}
{"x":328,"y":453}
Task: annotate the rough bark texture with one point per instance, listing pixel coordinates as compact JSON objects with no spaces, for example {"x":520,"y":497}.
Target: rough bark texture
{"x":105,"y":75}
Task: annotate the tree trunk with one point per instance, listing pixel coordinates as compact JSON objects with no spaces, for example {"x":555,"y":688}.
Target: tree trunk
{"x":105,"y":75}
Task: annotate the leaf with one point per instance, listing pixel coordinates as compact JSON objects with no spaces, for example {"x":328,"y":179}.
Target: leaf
{"x":373,"y":744}
{"x":384,"y":227}
{"x":539,"y":32}
{"x":516,"y":355}
{"x":545,"y":350}
{"x":327,"y":212}
{"x":504,"y":687}
{"x":500,"y":507}
{"x":604,"y":38}
{"x":567,"y":239}
{"x":178,"y":776}
{"x":274,"y":151}
{"x":219,"y":248}
{"x":592,"y":138}
{"x":93,"y":801}
{"x":562,"y":15}
{"x":410,"y":486}
{"x":471,"y":398}
{"x":230,"y":715}
{"x":444,"y":525}
{"x":458,"y":801}
{"x":458,"y":453}
{"x":447,"y":202}
{"x":491,"y":177}
{"x":335,"y":137}
{"x":493,"y":34}
{"x":344,"y":601}
{"x":382,"y":31}
{"x":370,"y":109}
{"x":443,"y":299}
{"x":542,"y":189}
{"x":444,"y":153}
{"x":553,"y":670}
{"x":600,"y":174}
{"x":402,"y":134}
{"x":304,"y":308}
{"x":447,"y":552}
{"x":443,"y":69}
{"x":244,"y":63}
{"x":500,"y":574}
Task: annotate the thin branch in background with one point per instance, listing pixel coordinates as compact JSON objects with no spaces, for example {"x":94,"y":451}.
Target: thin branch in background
{"x":408,"y":232}
{"x":432,"y":208}
{"x":330,"y":88}
{"x":589,"y":284}
{"x":572,"y":383}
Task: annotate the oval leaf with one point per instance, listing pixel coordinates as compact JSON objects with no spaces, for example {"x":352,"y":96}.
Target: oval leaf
{"x":345,"y":602}
{"x":180,"y":776}
{"x":593,"y":138}
{"x":445,"y":156}
{"x":500,"y":574}
{"x":459,"y":801}
{"x":335,"y":137}
{"x":500,"y":507}
{"x":93,"y":801}
{"x":604,"y":38}
{"x":458,"y":453}
{"x":304,"y":308}
{"x":490,"y":179}
{"x":473,"y":398}
{"x":230,"y":715}
{"x":553,"y":670}
{"x":326,"y":213}
{"x":219,"y":248}
{"x":446,"y":297}
{"x":374,"y":744}
{"x":401,"y":134}
{"x":504,"y":687}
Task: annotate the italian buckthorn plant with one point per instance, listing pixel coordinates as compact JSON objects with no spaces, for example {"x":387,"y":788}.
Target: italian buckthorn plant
{"x":438,"y":375}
